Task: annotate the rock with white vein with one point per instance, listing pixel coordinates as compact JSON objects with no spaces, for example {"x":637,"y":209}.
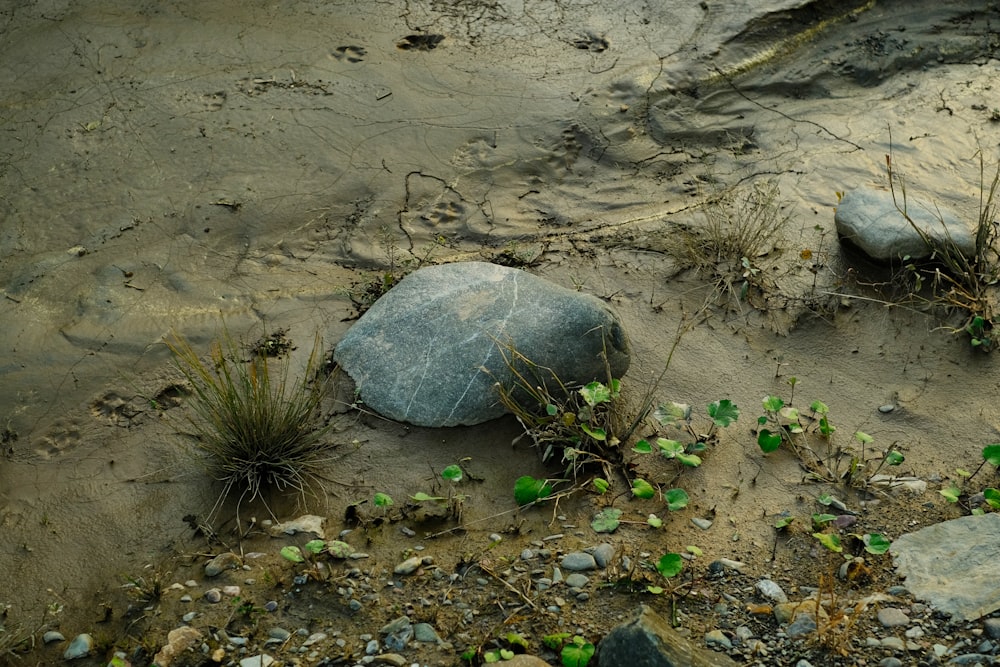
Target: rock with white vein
{"x":430,"y":351}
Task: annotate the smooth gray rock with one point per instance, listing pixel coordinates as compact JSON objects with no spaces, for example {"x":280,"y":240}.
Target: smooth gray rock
{"x":869,"y":219}
{"x":952,"y":565}
{"x":578,"y":561}
{"x":80,"y":647}
{"x":649,"y":641}
{"x":430,"y":351}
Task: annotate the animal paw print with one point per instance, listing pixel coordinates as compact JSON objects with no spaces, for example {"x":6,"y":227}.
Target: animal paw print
{"x":112,"y":407}
{"x":214,"y":101}
{"x":350,"y":54}
{"x":419,"y":42}
{"x":444,"y":212}
{"x":61,"y":438}
{"x":591,"y":42}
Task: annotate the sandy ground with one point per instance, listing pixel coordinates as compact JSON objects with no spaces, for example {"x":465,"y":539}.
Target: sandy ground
{"x":173,"y":166}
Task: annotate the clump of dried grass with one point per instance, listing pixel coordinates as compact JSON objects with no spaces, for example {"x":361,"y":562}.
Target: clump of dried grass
{"x":256,"y":427}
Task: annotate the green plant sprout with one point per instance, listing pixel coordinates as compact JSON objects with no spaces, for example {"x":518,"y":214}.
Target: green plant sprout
{"x":528,"y":490}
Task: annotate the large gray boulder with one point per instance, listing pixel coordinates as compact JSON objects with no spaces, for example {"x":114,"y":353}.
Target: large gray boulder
{"x":649,"y":641}
{"x":430,"y":351}
{"x":953,"y":565}
{"x":869,"y":219}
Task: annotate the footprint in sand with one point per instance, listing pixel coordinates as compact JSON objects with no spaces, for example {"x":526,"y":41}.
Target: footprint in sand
{"x":419,"y":42}
{"x":350,"y":54}
{"x":62,"y":437}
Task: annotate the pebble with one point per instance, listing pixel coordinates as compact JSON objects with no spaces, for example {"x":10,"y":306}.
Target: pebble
{"x":213,"y":595}
{"x":424,"y":632}
{"x":890,"y":662}
{"x":718,"y":638}
{"x":271,"y":605}
{"x":704,"y":524}
{"x":393,"y":659}
{"x":577,"y":580}
{"x":261,"y":660}
{"x":603,"y":554}
{"x":52,"y":636}
{"x":893,"y":643}
{"x":992,"y":626}
{"x":803,"y":626}
{"x":803,"y":663}
{"x":557,"y":576}
{"x":190,"y":616}
{"x":231,"y":591}
{"x":772,"y":591}
{"x":221,"y":563}
{"x":578,"y":561}
{"x":409,"y":566}
{"x":80,"y":647}
{"x":314,"y":638}
{"x":279,"y":633}
{"x":891,"y":617}
{"x":354,"y":605}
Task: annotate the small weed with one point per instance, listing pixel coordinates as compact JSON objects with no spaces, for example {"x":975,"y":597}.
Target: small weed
{"x":579,"y":423}
{"x":810,"y":437}
{"x":955,"y":279}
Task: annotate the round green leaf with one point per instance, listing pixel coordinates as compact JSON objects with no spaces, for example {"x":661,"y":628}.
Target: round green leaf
{"x":595,"y":433}
{"x":676,"y":499}
{"x":951,"y":493}
{"x":767,"y":441}
{"x":819,"y":407}
{"x":339,"y":549}
{"x":527,"y":490}
{"x":723,"y":412}
{"x":577,"y":654}
{"x":643,"y":447}
{"x":292,"y":553}
{"x":772,"y":403}
{"x":830,"y":541}
{"x":602,"y":485}
{"x":595,"y":393}
{"x":875,"y":543}
{"x":991,"y":453}
{"x":383,"y":500}
{"x":607,"y":520}
{"x":314,"y":546}
{"x":670,"y":565}
{"x":642,"y":489}
{"x":992,"y":497}
{"x":452,"y":473}
{"x":654,"y":521}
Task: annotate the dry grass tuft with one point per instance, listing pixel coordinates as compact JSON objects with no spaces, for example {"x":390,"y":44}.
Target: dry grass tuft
{"x":256,"y":428}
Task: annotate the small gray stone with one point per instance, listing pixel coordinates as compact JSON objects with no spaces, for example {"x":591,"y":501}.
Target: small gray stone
{"x":190,"y":616}
{"x":396,"y":625}
{"x":425,"y":632}
{"x":992,"y":627}
{"x":393,"y":659}
{"x":372,"y":647}
{"x":80,"y":647}
{"x":893,"y":643}
{"x":221,"y":563}
{"x":704,"y":524}
{"x":771,"y":591}
{"x":260,"y":660}
{"x":803,"y":663}
{"x":578,"y":561}
{"x":718,"y":638}
{"x":603,"y":554}
{"x":409,"y":566}
{"x":354,"y":605}
{"x":280,"y":634}
{"x":891,"y":617}
{"x":804,"y":625}
{"x":577,"y":580}
{"x":213,"y":595}
{"x":52,"y":636}
{"x":890,"y":662}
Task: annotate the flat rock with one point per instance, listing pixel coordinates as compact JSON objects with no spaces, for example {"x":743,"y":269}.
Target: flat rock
{"x":179,"y":641}
{"x":869,"y":219}
{"x":952,"y":565}
{"x":430,"y":351}
{"x":649,"y":641}
{"x":307,"y":523}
